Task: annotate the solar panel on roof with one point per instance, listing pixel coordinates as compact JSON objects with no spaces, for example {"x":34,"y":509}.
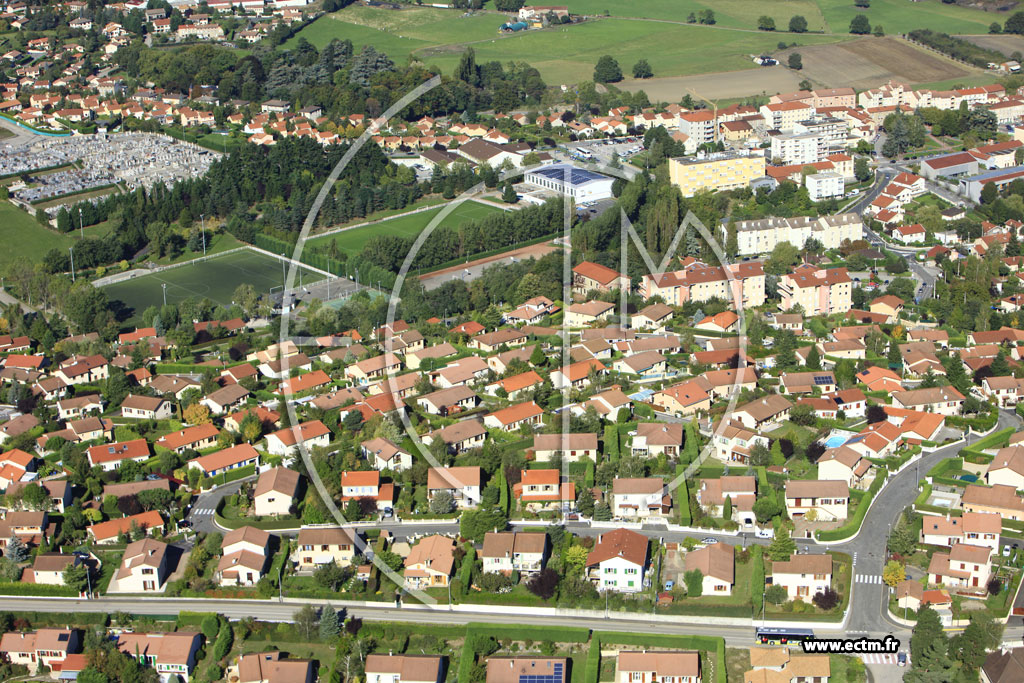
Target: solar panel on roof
{"x":554,"y":677}
{"x":577,"y":176}
{"x":822,"y":379}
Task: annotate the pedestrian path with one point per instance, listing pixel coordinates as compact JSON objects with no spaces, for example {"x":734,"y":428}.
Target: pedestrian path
{"x":880,"y":658}
{"x":868,"y":578}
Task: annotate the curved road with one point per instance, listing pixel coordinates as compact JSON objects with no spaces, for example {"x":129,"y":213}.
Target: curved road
{"x":868,"y":601}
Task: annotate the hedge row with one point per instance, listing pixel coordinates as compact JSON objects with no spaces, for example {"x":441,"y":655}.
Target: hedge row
{"x":44,"y":589}
{"x":708,"y":644}
{"x":683,"y":500}
{"x":611,"y":442}
{"x":852,"y":525}
{"x":231,"y":475}
{"x":942,"y":467}
{"x":1000,"y":438}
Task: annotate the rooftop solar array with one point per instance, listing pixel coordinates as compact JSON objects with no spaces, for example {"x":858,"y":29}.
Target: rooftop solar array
{"x":554,"y":677}
{"x":577,"y":176}
{"x":822,"y":379}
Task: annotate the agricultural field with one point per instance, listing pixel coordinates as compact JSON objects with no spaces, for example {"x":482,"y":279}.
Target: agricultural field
{"x":568,"y":54}
{"x":215,"y":279}
{"x":656,"y":30}
{"x":24,"y":238}
{"x":901,"y":16}
{"x":728,"y":13}
{"x":717,"y":86}
{"x":868,"y":62}
{"x":353,"y":240}
{"x":1007,"y":44}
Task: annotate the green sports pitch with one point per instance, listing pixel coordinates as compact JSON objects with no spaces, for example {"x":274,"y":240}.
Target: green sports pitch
{"x":353,"y":240}
{"x":215,"y":279}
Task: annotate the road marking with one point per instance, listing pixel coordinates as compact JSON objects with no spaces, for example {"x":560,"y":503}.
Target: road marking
{"x":868,"y":578}
{"x":882,"y":658}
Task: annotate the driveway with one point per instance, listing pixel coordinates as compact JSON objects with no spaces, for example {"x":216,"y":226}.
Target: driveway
{"x":205,"y":506}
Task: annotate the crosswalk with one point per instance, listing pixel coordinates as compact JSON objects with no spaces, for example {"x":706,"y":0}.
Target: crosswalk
{"x":199,"y":512}
{"x":868,"y":578}
{"x":880,"y":658}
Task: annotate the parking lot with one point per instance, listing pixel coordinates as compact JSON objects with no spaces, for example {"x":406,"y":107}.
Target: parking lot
{"x":130,"y":159}
{"x":603,"y":150}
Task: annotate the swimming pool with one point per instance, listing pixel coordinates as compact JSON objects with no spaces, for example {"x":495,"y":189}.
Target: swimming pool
{"x":835,"y":441}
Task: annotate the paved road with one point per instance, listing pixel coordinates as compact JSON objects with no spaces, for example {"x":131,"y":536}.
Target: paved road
{"x":203,"y":509}
{"x":869,"y":595}
{"x":22,"y":136}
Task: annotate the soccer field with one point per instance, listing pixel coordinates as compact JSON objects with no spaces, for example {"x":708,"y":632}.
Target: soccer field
{"x":215,"y":279}
{"x":353,"y":240}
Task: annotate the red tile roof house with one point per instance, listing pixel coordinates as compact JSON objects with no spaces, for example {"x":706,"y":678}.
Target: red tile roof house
{"x":47,"y":647}
{"x":285,"y":441}
{"x":225,"y":399}
{"x":171,"y":654}
{"x":196,"y":438}
{"x":463,"y":483}
{"x":639,"y":498}
{"x":618,"y":561}
{"x":146,"y":408}
{"x":104,"y":533}
{"x":513,"y":417}
{"x":110,"y":456}
{"x":228,"y":459}
{"x":356,"y":485}
{"x":544,"y":490}
{"x":460,"y":436}
{"x":588,"y":276}
{"x":675,"y":666}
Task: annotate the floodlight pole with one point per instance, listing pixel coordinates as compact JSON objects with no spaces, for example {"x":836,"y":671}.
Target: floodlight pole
{"x":164,"y":287}
{"x":72,"y":250}
{"x":202,"y":221}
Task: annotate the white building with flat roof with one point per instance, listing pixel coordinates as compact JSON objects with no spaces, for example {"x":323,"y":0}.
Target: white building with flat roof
{"x":821,"y":186}
{"x":578,"y":183}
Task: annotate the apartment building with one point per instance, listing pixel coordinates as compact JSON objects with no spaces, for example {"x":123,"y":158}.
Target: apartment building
{"x":819,"y":291}
{"x":716,"y":171}
{"x":761,"y":236}
{"x":737,"y":282}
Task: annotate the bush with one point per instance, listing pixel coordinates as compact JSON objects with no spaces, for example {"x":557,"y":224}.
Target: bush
{"x":827,"y":599}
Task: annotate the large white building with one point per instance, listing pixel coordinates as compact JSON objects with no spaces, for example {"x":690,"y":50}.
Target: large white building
{"x":794,"y":149}
{"x":580,"y":184}
{"x":761,"y":236}
{"x":821,"y":186}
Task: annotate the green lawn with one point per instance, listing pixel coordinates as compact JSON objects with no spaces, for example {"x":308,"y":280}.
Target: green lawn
{"x":25,"y":237}
{"x":728,"y":13}
{"x":215,"y":244}
{"x":327,"y":27}
{"x":352,"y":241}
{"x":901,"y":16}
{"x":568,"y":54}
{"x":215,"y":279}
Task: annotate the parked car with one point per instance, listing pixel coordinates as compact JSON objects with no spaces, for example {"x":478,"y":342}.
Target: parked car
{"x":765,"y":533}
{"x":901,"y":659}
{"x":669,"y":585}
{"x":708,"y":540}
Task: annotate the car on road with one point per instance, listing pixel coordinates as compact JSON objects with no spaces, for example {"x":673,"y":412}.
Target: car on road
{"x":764,"y":533}
{"x":901,"y":659}
{"x":708,"y":540}
{"x":184,"y":523}
{"x":669,"y":585}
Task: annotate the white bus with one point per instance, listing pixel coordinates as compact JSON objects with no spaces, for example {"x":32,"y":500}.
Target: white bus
{"x":584,"y":152}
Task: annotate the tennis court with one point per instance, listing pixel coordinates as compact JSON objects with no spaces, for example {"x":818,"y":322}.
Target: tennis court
{"x":353,"y":240}
{"x":215,"y":279}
